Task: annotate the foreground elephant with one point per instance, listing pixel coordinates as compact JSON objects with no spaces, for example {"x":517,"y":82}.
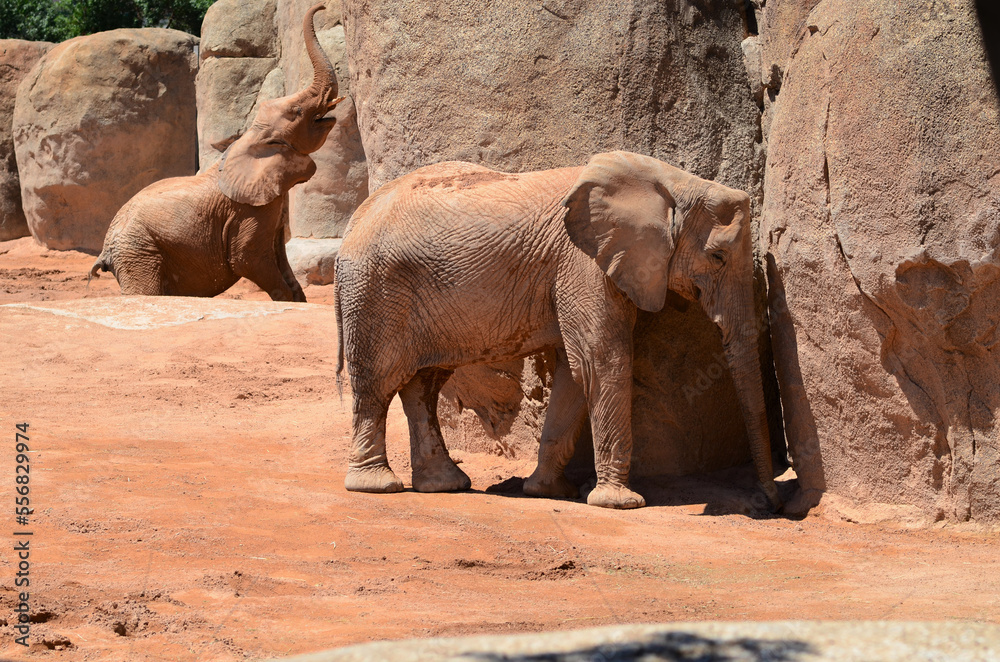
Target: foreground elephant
{"x":456,"y":264}
{"x":197,"y":236}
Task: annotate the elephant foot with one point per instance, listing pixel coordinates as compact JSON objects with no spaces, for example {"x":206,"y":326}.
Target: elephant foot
{"x":555,"y":488}
{"x":378,"y":479}
{"x":609,"y":495}
{"x":445,"y":477}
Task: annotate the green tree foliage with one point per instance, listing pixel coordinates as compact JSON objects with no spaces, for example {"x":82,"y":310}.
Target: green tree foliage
{"x":58,"y":20}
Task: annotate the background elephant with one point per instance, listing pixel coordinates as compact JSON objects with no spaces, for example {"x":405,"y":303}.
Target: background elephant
{"x":456,"y":264}
{"x":197,"y":236}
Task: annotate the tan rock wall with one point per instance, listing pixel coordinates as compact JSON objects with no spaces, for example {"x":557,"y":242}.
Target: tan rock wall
{"x":882,"y":220}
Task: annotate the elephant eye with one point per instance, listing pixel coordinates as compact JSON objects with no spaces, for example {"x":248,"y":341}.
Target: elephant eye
{"x":719,"y":258}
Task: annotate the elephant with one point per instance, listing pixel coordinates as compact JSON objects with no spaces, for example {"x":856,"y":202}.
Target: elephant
{"x":198,"y":235}
{"x":456,"y":264}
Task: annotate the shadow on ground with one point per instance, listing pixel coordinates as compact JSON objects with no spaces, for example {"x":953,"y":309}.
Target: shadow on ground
{"x":727,"y":492}
{"x":667,"y":646}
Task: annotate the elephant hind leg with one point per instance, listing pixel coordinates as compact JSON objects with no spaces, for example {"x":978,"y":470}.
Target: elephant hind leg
{"x":141,"y":274}
{"x":368,"y":470}
{"x":564,"y":420}
{"x":433,"y":468}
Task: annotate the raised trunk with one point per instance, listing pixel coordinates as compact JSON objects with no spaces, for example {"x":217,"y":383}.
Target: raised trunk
{"x":324,"y":77}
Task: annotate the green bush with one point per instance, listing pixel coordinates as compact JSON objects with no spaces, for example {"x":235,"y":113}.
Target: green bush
{"x":58,"y":20}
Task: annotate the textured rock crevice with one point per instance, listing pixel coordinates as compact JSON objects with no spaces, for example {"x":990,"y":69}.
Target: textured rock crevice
{"x":881,"y":217}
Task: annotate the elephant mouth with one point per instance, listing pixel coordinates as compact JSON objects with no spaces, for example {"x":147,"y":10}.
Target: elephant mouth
{"x":278,"y":142}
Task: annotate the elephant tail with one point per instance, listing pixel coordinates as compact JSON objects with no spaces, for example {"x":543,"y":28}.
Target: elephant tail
{"x":103,"y":263}
{"x":340,"y":345}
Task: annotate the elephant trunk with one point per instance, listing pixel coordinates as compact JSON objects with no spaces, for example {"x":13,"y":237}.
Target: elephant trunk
{"x":740,"y":345}
{"x":324,"y":83}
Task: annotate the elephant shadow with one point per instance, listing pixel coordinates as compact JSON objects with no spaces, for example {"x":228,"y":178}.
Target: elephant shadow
{"x":733,"y":491}
{"x":666,"y":646}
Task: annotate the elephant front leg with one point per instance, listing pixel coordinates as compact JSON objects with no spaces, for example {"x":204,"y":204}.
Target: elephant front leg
{"x":564,"y":419}
{"x":369,"y":470}
{"x":286,"y":270}
{"x":608,"y":385}
{"x":269,"y":278}
{"x":433,"y":468}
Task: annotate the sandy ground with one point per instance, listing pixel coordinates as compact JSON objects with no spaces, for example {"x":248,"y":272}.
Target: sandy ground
{"x":189,"y":505}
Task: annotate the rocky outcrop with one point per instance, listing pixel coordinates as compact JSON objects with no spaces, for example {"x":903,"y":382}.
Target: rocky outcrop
{"x":99,"y":118}
{"x":573,"y":78}
{"x":881,"y":220}
{"x":17,"y":57}
{"x":523,"y":87}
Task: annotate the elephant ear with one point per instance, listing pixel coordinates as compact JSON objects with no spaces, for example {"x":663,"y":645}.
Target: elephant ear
{"x":255,"y":173}
{"x":622,"y":215}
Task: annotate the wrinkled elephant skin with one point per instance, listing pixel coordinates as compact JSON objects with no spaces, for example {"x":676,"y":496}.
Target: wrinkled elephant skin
{"x":455,"y":264}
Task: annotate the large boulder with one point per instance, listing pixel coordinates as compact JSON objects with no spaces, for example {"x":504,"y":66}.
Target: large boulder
{"x":99,"y":118}
{"x":522,"y":86}
{"x":882,"y":220}
{"x":17,"y":57}
{"x":240,"y":28}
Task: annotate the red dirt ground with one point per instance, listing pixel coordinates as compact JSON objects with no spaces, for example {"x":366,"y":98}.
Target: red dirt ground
{"x":190,"y":506}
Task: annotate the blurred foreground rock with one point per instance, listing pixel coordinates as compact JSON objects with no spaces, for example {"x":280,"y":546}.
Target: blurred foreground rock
{"x":812,"y":641}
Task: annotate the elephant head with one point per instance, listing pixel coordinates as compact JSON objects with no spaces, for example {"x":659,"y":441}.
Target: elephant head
{"x":652,"y":227}
{"x":273,"y":155}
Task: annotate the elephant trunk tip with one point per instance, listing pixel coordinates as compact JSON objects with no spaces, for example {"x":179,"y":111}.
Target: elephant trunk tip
{"x":324,"y":77}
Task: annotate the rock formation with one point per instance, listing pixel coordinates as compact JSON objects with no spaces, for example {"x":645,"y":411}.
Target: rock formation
{"x":531,"y":86}
{"x":97,"y":119}
{"x":16,"y":59}
{"x":881,"y":220}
